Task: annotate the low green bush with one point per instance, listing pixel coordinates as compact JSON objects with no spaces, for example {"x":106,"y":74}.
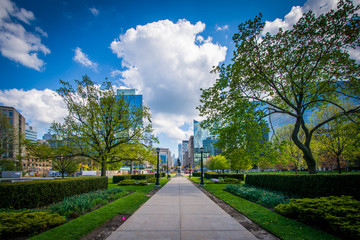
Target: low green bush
{"x":197,"y":174}
{"x":261,"y":196}
{"x":151,"y":180}
{"x":340,"y":214}
{"x":76,"y":205}
{"x":119,"y":178}
{"x":132,"y":182}
{"x":224,"y":175}
{"x":33,"y":194}
{"x":309,"y":185}
{"x":27,"y":223}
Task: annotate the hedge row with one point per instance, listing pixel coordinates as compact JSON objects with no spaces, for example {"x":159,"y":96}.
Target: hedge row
{"x":224,"y":175}
{"x":309,"y":185}
{"x":117,"y":179}
{"x":33,"y":194}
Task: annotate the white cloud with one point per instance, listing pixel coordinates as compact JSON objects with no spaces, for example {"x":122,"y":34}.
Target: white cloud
{"x":83,"y":59}
{"x":41,"y":31}
{"x":169,"y":63}
{"x":223,"y":28}
{"x":115,"y":73}
{"x":39,"y":107}
{"x":16,"y":43}
{"x":94,"y":11}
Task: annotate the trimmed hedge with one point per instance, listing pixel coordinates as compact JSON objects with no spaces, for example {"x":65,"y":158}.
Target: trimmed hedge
{"x":33,"y":194}
{"x":197,"y":174}
{"x":309,"y":185}
{"x":224,"y":175}
{"x":119,"y":178}
{"x":340,"y":214}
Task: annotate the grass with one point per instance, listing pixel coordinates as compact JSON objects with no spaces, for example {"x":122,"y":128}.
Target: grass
{"x":80,"y":226}
{"x":302,"y":172}
{"x":281,"y":226}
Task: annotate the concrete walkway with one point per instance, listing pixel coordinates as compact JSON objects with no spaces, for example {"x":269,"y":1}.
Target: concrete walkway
{"x":180,"y":211}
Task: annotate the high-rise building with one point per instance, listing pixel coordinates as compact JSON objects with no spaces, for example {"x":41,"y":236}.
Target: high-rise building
{"x":200,"y":134}
{"x":13,"y":149}
{"x":184,"y":148}
{"x":209,"y":147}
{"x":30,"y":133}
{"x":135,"y":100}
{"x":179,"y":154}
{"x":191,"y":150}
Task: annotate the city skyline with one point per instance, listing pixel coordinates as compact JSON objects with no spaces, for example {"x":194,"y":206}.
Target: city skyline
{"x":164,"y":50}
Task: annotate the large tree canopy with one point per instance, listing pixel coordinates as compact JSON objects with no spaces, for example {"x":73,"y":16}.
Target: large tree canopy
{"x":100,"y":123}
{"x":293,"y":72}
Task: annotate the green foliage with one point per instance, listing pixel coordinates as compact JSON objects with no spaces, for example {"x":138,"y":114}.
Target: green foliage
{"x":308,"y":185}
{"x":80,"y":204}
{"x":223,"y":175}
{"x":32,"y":194}
{"x":132,"y":182}
{"x":340,"y":214}
{"x":264,"y":197}
{"x":218,"y":162}
{"x":119,"y":178}
{"x":102,"y":126}
{"x":27,"y":223}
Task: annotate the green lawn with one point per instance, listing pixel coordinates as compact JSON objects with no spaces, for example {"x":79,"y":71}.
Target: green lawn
{"x":80,"y":226}
{"x":281,"y":226}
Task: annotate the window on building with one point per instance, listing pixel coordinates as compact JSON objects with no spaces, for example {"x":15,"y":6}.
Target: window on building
{"x":10,"y":114}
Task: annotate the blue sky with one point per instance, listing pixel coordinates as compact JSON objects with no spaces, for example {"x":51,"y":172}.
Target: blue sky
{"x":164,"y":49}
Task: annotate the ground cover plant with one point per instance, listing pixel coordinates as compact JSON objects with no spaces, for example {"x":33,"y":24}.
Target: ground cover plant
{"x":84,"y":224}
{"x":26,"y":223}
{"x":79,"y":204}
{"x":261,"y":196}
{"x":282,"y":227}
{"x":132,"y":182}
{"x":340,"y":214}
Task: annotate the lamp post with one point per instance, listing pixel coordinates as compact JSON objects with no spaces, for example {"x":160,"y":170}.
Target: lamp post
{"x":202,"y":167}
{"x":167,"y":168}
{"x":189,"y":170}
{"x":157,"y":184}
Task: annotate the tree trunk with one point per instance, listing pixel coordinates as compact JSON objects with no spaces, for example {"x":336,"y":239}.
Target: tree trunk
{"x":305,"y":148}
{"x":338,"y":163}
{"x":103,"y":168}
{"x":131,"y":167}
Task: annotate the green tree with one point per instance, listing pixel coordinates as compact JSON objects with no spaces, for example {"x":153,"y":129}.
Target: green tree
{"x":296,"y":71}
{"x":6,"y":143}
{"x":334,"y":137}
{"x":218,"y":162}
{"x":100,"y":123}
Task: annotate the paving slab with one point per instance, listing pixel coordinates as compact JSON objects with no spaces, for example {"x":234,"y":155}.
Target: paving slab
{"x":180,"y":211}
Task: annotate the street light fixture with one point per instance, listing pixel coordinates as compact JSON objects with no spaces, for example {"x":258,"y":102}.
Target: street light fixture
{"x":157,"y":184}
{"x":202,"y":167}
{"x":167,"y":168}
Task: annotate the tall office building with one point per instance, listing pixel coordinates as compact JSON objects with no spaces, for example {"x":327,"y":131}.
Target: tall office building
{"x":13,"y":148}
{"x":191,"y":150}
{"x":179,"y":153}
{"x":135,"y":100}
{"x":184,"y":148}
{"x":200,"y":134}
{"x":209,"y":147}
{"x":30,"y":133}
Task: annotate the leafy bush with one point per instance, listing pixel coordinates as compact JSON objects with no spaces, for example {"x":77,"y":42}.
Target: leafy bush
{"x":231,"y":181}
{"x":261,"y":196}
{"x":197,"y":174}
{"x":151,"y":180}
{"x":33,"y":194}
{"x":81,"y":203}
{"x":340,"y":214}
{"x":309,"y":185}
{"x":27,"y":223}
{"x":217,"y":175}
{"x":117,"y":179}
{"x":132,"y":182}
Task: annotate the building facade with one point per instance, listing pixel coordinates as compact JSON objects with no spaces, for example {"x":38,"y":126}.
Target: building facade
{"x":30,"y":133}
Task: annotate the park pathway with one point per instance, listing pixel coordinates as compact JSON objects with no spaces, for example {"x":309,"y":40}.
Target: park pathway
{"x":180,"y":211}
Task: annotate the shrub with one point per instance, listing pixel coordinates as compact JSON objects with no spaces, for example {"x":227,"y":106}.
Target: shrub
{"x":197,"y":174}
{"x":132,"y":182}
{"x":225,"y":175}
{"x":82,"y":203}
{"x":152,"y":180}
{"x":309,"y":185}
{"x":142,"y":176}
{"x":33,"y":194}
{"x":340,"y":214}
{"x":261,"y":196}
{"x":117,"y":179}
{"x":27,"y":223}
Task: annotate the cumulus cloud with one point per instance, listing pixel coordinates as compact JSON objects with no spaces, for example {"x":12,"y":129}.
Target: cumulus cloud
{"x":94,"y":11}
{"x":223,"y":28}
{"x":115,"y":73}
{"x":16,"y":43}
{"x":83,"y":59}
{"x":169,"y":63}
{"x":39,"y":107}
